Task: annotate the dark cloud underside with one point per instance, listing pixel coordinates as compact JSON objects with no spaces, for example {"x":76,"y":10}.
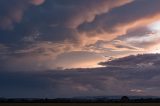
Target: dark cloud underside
{"x":66,"y":48}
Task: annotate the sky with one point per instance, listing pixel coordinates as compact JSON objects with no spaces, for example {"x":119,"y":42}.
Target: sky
{"x":71,"y":48}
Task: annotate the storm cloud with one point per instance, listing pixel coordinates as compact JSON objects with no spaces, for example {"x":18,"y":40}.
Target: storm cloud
{"x":111,"y":80}
{"x":87,"y":47}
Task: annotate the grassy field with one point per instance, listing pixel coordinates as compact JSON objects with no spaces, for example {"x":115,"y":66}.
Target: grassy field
{"x":80,"y":104}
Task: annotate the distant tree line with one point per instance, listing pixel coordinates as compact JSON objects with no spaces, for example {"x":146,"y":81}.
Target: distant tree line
{"x":124,"y":99}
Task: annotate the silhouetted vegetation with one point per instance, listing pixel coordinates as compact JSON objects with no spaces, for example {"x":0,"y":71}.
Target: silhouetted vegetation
{"x":124,"y":99}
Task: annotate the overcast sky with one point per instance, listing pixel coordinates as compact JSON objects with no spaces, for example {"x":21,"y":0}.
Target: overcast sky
{"x":68,"y":48}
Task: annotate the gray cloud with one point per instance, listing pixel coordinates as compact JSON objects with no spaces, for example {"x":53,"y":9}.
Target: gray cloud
{"x":86,"y":82}
{"x":12,"y":11}
{"x":143,"y":61}
{"x":123,"y":16}
{"x":45,"y":31}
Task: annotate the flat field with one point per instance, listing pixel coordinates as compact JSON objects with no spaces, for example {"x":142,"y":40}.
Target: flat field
{"x":80,"y":104}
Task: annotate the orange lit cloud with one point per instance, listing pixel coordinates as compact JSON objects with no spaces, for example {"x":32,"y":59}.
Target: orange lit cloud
{"x":87,"y":47}
{"x":14,"y":11}
{"x":37,"y":2}
{"x":95,"y":8}
{"x":118,"y":21}
{"x":119,"y":30}
{"x":62,"y":28}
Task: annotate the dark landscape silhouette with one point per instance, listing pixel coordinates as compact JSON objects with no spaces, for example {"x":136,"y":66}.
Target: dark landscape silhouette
{"x":123,"y":99}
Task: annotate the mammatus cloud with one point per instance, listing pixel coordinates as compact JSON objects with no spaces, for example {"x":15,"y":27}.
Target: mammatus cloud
{"x":37,"y":2}
{"x":44,"y":43}
{"x":95,"y":8}
{"x":62,"y":32}
{"x":12,"y":11}
{"x":60,"y":28}
{"x":119,"y":20}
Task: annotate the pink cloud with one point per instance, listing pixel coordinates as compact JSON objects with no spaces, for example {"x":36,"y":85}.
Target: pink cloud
{"x":37,"y":2}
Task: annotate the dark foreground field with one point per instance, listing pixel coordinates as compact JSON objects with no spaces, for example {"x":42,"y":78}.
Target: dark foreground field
{"x":80,"y":104}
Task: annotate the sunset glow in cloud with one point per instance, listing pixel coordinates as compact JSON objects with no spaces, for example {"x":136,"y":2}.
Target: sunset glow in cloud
{"x":155,"y":26}
{"x":89,"y":47}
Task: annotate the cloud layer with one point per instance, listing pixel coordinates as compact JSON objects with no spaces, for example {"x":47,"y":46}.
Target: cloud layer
{"x":134,"y":78}
{"x":65,"y":35}
{"x":43,"y":31}
{"x":12,"y":11}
